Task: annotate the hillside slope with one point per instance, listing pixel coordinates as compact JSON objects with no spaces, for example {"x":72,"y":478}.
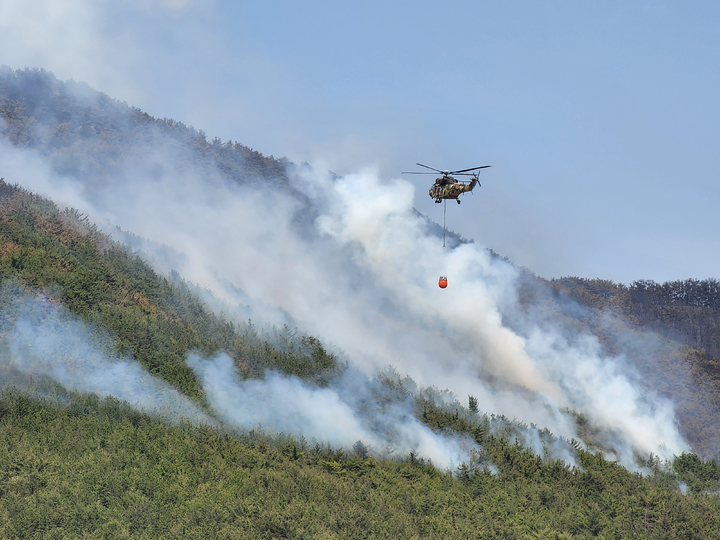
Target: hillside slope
{"x":73,"y":465}
{"x":97,"y":469}
{"x":81,"y":312}
{"x":155,"y":320}
{"x":117,"y":159}
{"x":88,"y":134}
{"x":669,"y":332}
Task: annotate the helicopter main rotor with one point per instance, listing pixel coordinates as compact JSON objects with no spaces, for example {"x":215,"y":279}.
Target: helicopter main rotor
{"x":461,"y":172}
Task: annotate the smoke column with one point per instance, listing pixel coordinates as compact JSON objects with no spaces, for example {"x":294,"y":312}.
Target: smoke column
{"x":358,"y":268}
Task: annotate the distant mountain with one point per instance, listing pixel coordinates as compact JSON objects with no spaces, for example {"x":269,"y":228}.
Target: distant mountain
{"x":670,"y":331}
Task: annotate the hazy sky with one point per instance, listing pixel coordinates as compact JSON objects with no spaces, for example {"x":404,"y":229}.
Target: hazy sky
{"x":600,"y":119}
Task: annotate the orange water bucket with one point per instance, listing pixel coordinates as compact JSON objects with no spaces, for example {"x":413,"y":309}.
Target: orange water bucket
{"x":442,"y":282}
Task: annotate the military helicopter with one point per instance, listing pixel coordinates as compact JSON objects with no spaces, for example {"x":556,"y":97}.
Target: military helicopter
{"x":447,"y":187}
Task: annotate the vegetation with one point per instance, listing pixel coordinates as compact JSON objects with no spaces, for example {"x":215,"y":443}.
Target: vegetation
{"x":98,"y":469}
{"x":685,"y":311}
{"x":667,"y":331}
{"x":81,"y":466}
{"x":155,"y":320}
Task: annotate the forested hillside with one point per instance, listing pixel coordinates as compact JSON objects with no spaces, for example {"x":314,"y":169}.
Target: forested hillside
{"x":80,"y":311}
{"x":97,"y":469}
{"x":88,"y":134}
{"x":669,"y":331}
{"x":685,"y":311}
{"x":155,"y":320}
{"x":74,"y":465}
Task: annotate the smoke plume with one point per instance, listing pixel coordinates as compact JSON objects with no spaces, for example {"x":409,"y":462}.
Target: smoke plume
{"x":47,"y":341}
{"x":352,"y":263}
{"x":346,"y":412}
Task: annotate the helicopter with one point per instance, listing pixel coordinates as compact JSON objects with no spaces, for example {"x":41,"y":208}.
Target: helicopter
{"x":447,"y":187}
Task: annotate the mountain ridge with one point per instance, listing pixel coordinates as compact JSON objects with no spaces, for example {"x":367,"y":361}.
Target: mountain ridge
{"x":69,"y":119}
{"x":158,"y":321}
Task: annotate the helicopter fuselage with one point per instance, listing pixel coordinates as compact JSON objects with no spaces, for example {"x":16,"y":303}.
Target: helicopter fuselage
{"x":446,"y":187}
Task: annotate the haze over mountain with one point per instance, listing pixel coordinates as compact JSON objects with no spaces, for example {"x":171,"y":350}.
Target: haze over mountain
{"x":343,"y":258}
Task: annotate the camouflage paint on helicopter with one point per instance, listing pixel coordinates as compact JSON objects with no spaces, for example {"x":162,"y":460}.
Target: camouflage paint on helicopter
{"x":447,"y":187}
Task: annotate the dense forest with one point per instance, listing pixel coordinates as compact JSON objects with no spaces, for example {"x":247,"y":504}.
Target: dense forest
{"x":76,"y":464}
{"x":669,"y":331}
{"x":98,"y":469}
{"x":685,"y":311}
{"x":88,"y":466}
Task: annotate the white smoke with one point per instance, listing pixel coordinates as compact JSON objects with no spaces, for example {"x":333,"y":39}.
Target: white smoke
{"x":359,"y":269}
{"x":286,"y":404}
{"x":47,"y":341}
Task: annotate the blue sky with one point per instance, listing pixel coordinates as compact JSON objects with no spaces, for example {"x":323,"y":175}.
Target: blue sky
{"x":600,"y":120}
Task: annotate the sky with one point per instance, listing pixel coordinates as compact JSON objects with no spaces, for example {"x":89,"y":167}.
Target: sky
{"x":600,"y":120}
